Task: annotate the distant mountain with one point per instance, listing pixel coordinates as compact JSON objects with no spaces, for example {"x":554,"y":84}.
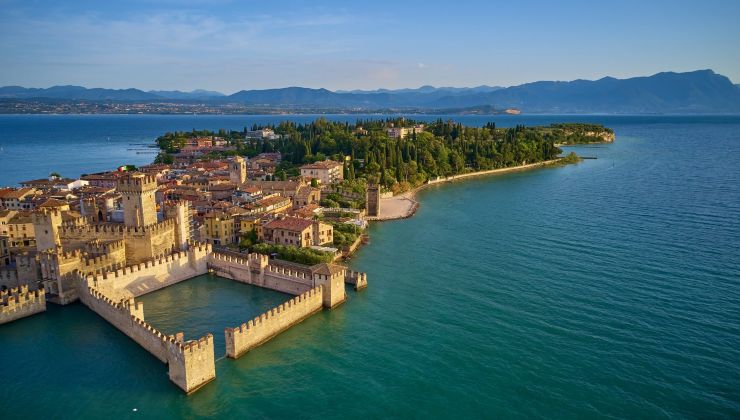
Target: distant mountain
{"x":428,"y":89}
{"x":100,"y":94}
{"x":701,"y":91}
{"x":76,"y":92}
{"x":195,"y":94}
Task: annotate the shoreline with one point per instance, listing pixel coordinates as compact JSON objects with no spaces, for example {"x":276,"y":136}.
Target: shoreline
{"x":405,"y":205}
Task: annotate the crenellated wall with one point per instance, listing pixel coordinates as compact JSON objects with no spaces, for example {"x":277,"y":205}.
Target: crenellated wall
{"x":251,"y":334}
{"x":146,"y":277}
{"x":19,"y":302}
{"x":256,"y":270}
{"x":191,"y":363}
{"x":356,"y":278}
{"x":142,"y":243}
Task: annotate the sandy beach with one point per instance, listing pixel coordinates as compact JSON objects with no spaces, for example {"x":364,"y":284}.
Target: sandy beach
{"x":404,"y":205}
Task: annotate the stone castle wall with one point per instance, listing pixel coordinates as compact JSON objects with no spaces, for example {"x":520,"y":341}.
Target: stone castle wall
{"x":256,"y":270}
{"x":142,"y":243}
{"x":251,"y":334}
{"x":142,"y":278}
{"x":357,"y":279}
{"x":19,"y":302}
{"x":191,"y":364}
{"x":28,"y":270}
{"x":8,"y":278}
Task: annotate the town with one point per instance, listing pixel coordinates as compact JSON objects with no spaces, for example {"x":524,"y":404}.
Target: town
{"x":105,"y":239}
{"x":272,"y":207}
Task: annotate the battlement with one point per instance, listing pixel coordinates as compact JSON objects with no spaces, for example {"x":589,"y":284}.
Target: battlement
{"x":135,"y":268}
{"x":200,"y":247}
{"x":136,"y":183}
{"x":156,"y":273}
{"x":229,"y":258}
{"x":108,"y":230}
{"x":18,"y":302}
{"x":254,"y":332}
{"x":99,"y":247}
{"x":203,"y":343}
{"x":78,"y":221}
{"x":287,"y":272}
{"x":191,"y":363}
{"x":356,"y":278}
{"x":46,"y":215}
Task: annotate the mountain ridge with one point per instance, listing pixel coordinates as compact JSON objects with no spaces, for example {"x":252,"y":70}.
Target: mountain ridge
{"x":700,"y":91}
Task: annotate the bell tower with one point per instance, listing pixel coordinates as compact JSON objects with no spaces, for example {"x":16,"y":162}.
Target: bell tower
{"x":139,"y":203}
{"x":238,"y":170}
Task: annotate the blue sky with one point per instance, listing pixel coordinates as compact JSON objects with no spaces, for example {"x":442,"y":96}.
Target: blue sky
{"x":232,"y":45}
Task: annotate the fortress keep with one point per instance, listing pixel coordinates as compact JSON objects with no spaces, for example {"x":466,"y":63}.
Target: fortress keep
{"x":106,"y":265}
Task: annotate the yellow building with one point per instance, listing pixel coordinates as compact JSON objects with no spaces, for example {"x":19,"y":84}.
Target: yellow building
{"x":248,"y":223}
{"x":21,"y":234}
{"x":219,"y":229}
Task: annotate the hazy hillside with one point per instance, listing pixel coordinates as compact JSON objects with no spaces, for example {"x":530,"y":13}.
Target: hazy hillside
{"x":700,"y":91}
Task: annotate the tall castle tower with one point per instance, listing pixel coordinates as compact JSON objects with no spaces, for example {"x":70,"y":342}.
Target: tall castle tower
{"x":180,"y":212}
{"x":372,"y":200}
{"x":46,"y":224}
{"x":238,"y":170}
{"x":139,"y":203}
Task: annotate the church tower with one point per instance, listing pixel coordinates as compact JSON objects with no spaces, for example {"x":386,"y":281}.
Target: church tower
{"x":238,"y":170}
{"x":139,"y":203}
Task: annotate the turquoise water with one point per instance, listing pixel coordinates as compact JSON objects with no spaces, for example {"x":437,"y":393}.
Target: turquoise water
{"x":610,"y":288}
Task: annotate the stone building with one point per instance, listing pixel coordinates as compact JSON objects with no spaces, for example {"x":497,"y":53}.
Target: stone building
{"x":294,"y":231}
{"x":60,"y":244}
{"x":372,"y":201}
{"x":326,"y":172}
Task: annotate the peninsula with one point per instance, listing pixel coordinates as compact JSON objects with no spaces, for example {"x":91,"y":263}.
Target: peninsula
{"x":275,"y":206}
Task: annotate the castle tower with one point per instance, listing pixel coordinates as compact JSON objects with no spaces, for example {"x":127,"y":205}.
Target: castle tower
{"x":46,"y":223}
{"x":331,"y":277}
{"x":238,"y":170}
{"x":139,"y":203}
{"x":180,"y":212}
{"x":372,"y":201}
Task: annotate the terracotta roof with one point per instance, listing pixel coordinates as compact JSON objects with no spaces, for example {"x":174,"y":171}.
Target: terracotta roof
{"x":251,"y":189}
{"x":222,"y":187}
{"x":305,"y":211}
{"x":19,"y":193}
{"x":290,"y":223}
{"x":324,"y":164}
{"x":53,"y":202}
{"x":21,"y":217}
{"x":269,"y":201}
{"x":327,"y":269}
{"x":216,"y":214}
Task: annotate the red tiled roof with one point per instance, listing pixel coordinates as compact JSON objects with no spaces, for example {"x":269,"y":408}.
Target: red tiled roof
{"x":290,"y":223}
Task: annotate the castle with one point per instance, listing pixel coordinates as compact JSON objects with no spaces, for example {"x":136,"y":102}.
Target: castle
{"x":106,"y":265}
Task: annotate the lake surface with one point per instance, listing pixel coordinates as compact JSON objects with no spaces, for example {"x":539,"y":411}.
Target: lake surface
{"x":610,"y":288}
